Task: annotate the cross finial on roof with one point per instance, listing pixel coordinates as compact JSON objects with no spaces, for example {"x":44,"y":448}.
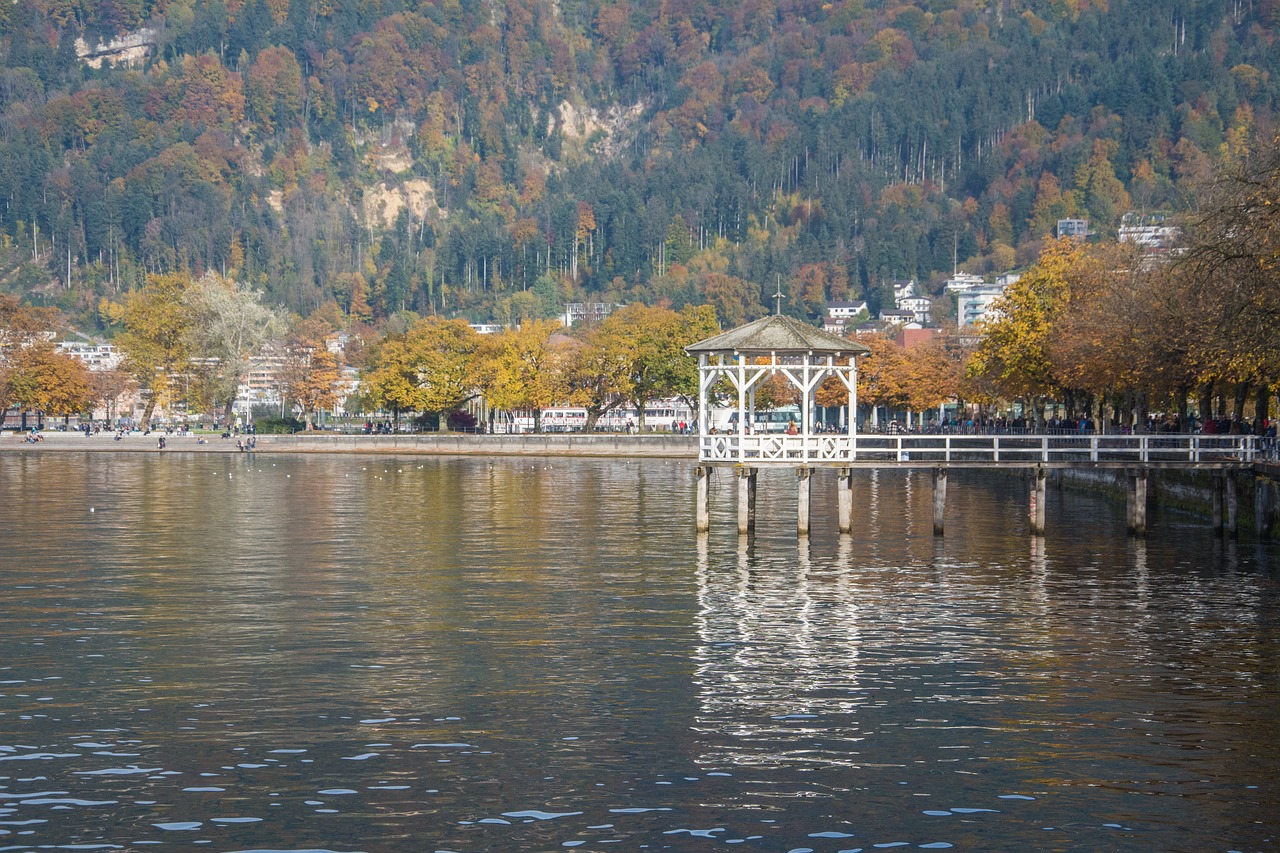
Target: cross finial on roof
{"x":777,"y":298}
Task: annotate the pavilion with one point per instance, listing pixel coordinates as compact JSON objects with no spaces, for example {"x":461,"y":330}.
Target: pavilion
{"x":740,"y":361}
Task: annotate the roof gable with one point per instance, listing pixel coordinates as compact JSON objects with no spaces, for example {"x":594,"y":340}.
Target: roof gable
{"x":777,"y":333}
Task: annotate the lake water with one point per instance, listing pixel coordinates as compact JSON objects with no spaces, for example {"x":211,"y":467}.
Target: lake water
{"x":414,"y":654}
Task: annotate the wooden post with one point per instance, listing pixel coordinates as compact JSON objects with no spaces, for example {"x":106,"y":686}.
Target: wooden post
{"x":1036,"y":514}
{"x":746,"y":499}
{"x":844,"y":499}
{"x":804,"y":477}
{"x":702,"y":511}
{"x":1261,"y":507}
{"x":939,"y":498}
{"x":1137,"y":509}
{"x":1233,"y":507}
{"x":1217,"y":503}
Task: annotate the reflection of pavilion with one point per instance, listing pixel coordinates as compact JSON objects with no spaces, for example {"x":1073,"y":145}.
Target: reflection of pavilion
{"x":803,"y":357}
{"x":779,"y":645}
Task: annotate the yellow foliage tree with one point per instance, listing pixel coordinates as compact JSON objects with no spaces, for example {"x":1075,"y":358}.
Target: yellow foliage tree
{"x":524,"y":368}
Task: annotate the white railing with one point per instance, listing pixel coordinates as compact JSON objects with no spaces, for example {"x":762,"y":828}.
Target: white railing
{"x":979,"y":449}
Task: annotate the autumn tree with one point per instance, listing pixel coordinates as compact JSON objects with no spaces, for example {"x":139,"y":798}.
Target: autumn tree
{"x":21,"y":324}
{"x":430,"y":368}
{"x":1015,"y":351}
{"x":932,"y":373}
{"x":594,"y":375}
{"x":1233,"y":273}
{"x":309,"y":377}
{"x":155,"y":342}
{"x":648,"y":345}
{"x":38,"y":377}
{"x":524,"y":368}
{"x":881,"y":372}
{"x":228,"y":326}
{"x":107,"y":387}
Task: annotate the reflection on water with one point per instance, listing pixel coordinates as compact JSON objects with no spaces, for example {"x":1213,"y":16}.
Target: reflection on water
{"x":367,"y":653}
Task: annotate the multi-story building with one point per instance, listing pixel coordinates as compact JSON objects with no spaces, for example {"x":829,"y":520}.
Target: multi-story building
{"x":1075,"y":228}
{"x":585,"y":312}
{"x":94,"y":356}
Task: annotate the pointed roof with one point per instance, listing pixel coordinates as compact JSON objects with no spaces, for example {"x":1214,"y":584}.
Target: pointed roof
{"x":777,"y":334}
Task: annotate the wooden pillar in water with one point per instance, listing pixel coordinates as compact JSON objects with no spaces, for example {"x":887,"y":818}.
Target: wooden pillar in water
{"x":702,"y":509}
{"x":1263,"y":506}
{"x":844,"y":499}
{"x":804,"y":477}
{"x":746,"y":500}
{"x":1036,"y":514}
{"x":1216,"y":490}
{"x":1137,"y":504}
{"x":939,"y":498}
{"x":1233,"y":507}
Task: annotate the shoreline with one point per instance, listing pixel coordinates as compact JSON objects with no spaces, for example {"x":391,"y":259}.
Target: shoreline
{"x":655,"y":445}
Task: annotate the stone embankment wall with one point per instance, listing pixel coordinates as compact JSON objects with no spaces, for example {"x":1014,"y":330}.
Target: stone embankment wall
{"x":558,"y":444}
{"x":1190,"y":490}
{"x":555,"y":444}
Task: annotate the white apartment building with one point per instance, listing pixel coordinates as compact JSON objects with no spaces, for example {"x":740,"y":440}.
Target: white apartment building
{"x":94,"y":356}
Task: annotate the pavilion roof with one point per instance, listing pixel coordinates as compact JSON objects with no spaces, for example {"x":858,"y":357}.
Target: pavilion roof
{"x":777,"y":334}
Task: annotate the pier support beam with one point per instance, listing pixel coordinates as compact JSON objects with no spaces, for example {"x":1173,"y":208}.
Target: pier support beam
{"x":844,"y":499}
{"x":1263,"y":506}
{"x":1036,"y":511}
{"x":746,"y":500}
{"x":1216,"y":490}
{"x":939,"y":498}
{"x":702,"y":508}
{"x":804,"y":477}
{"x":1233,"y":507}
{"x":1137,"y":504}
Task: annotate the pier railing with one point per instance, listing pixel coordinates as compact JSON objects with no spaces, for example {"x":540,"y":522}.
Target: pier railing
{"x":834,"y":449}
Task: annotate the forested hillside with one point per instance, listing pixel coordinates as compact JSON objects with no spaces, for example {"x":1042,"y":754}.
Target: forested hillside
{"x":491,"y":160}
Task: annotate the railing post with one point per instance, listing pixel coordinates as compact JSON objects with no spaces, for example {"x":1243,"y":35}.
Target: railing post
{"x":995,"y":448}
{"x":1044,"y":448}
{"x":1093,"y":448}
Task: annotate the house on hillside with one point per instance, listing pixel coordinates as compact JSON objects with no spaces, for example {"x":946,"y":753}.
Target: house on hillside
{"x":841,"y":315}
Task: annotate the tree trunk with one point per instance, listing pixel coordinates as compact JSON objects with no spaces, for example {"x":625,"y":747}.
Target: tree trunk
{"x":147,"y":412}
{"x":1206,"y":402}
{"x":1182,"y":408}
{"x":1237,"y":409}
{"x":537,"y":419}
{"x":592,"y":417}
{"x":1262,"y":408}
